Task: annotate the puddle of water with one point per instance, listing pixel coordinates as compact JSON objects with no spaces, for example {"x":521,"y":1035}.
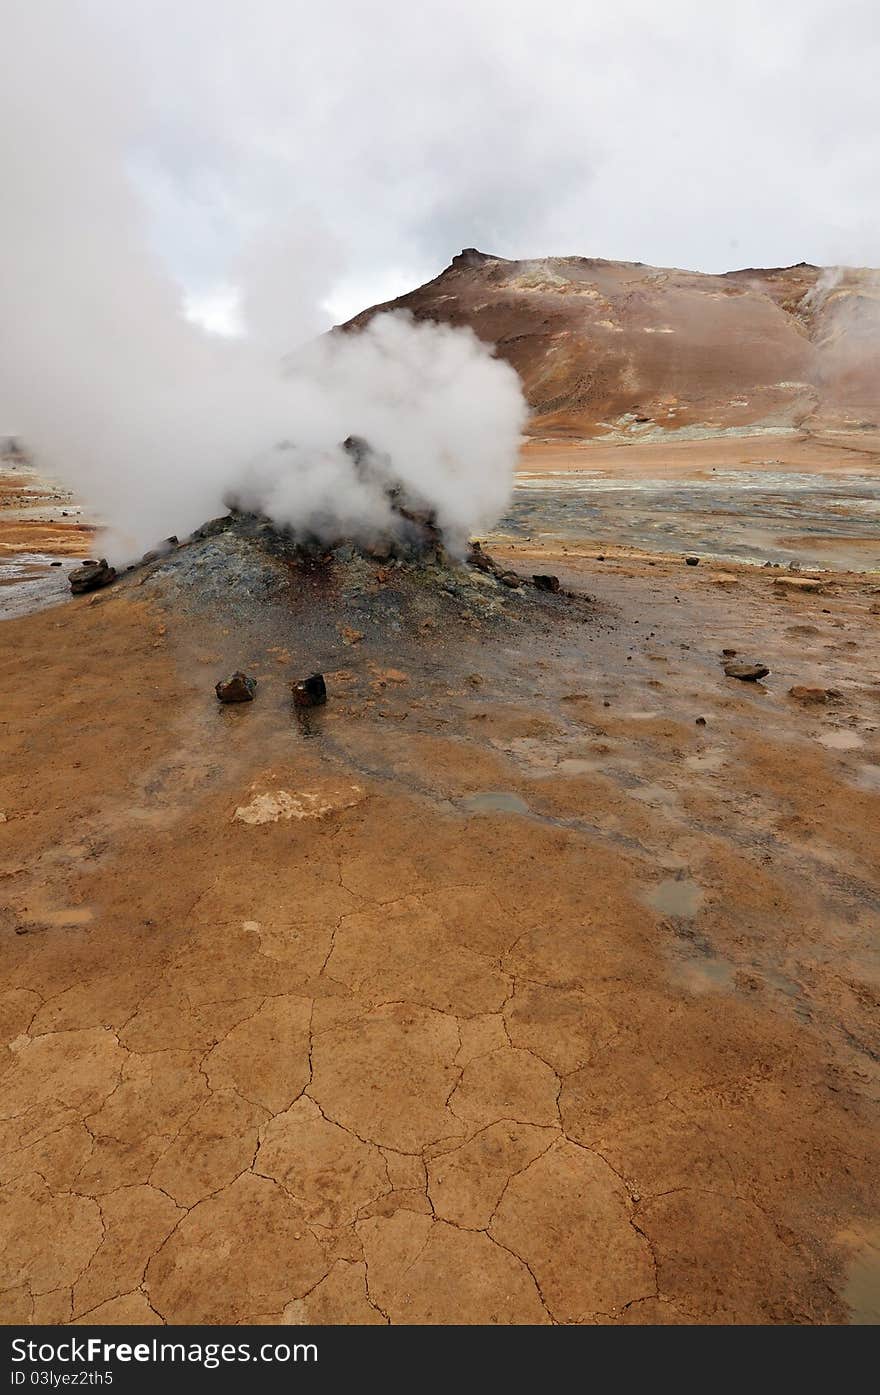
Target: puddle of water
{"x":495,"y":802}
{"x":677,"y":896}
{"x":818,"y":519}
{"x":29,"y":583}
{"x":840,"y":740}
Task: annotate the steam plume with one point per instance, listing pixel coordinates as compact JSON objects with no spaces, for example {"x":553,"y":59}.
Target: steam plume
{"x":154,"y":421}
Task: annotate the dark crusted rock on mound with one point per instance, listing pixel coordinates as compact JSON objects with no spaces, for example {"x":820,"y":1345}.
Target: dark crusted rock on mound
{"x":333,"y":607}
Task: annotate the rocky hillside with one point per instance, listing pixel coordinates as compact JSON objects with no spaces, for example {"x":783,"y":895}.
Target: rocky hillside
{"x":622,"y":348}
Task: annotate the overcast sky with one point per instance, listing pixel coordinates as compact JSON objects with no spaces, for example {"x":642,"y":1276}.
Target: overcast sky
{"x":375,"y":138}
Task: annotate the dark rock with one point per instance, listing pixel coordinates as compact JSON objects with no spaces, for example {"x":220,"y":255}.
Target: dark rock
{"x":692,"y":561}
{"x":311,"y":692}
{"x":238,"y":688}
{"x":748,"y":673}
{"x":510,"y":579}
{"x":546,"y":583}
{"x":701,"y":721}
{"x":90,"y":576}
{"x":478,"y":558}
{"x":160,"y":550}
{"x":729,"y":653}
{"x":55,"y":564}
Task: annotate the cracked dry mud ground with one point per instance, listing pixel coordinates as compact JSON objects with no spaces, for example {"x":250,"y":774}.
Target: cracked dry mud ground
{"x":559,"y":1013}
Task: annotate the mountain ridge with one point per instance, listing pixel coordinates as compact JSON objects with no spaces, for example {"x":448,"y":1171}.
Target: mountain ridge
{"x":607,"y":348}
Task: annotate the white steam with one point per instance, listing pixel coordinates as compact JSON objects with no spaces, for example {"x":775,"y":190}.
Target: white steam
{"x":155,"y":422}
{"x":843,"y":308}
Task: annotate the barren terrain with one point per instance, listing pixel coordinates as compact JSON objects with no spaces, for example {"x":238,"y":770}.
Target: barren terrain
{"x":532,"y":980}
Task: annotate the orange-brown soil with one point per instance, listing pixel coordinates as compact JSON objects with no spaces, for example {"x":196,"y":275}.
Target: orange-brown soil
{"x":520,"y":1002}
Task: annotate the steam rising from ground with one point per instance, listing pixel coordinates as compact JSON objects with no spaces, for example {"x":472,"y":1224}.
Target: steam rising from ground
{"x":844,"y":308}
{"x":154,"y":421}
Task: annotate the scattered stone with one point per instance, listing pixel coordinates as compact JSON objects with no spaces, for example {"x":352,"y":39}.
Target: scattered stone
{"x":726,"y":579}
{"x":692,"y":561}
{"x":748,"y":673}
{"x":54,"y":564}
{"x":701,"y":721}
{"x":350,"y":636}
{"x":729,"y":653}
{"x":238,"y":688}
{"x":798,"y":583}
{"x":601,"y":557}
{"x":546,"y":583}
{"x":311,"y":691}
{"x":510,"y":579}
{"x":90,"y":576}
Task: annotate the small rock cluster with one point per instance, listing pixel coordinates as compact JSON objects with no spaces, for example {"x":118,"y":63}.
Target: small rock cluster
{"x":241,"y":687}
{"x":482,"y":562}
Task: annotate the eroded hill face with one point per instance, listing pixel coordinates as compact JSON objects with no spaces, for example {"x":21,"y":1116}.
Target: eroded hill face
{"x":627,"y":349}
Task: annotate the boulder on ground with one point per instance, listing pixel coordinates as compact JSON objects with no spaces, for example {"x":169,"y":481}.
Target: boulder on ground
{"x":798,"y":583}
{"x":748,"y":673}
{"x":90,"y":576}
{"x":546,"y":583}
{"x":238,"y":688}
{"x":311,"y":691}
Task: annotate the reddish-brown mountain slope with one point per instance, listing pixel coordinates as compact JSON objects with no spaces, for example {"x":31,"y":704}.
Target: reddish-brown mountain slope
{"x":619,"y":347}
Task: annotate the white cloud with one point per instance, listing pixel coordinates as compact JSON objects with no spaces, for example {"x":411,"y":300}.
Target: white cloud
{"x":682,"y":133}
